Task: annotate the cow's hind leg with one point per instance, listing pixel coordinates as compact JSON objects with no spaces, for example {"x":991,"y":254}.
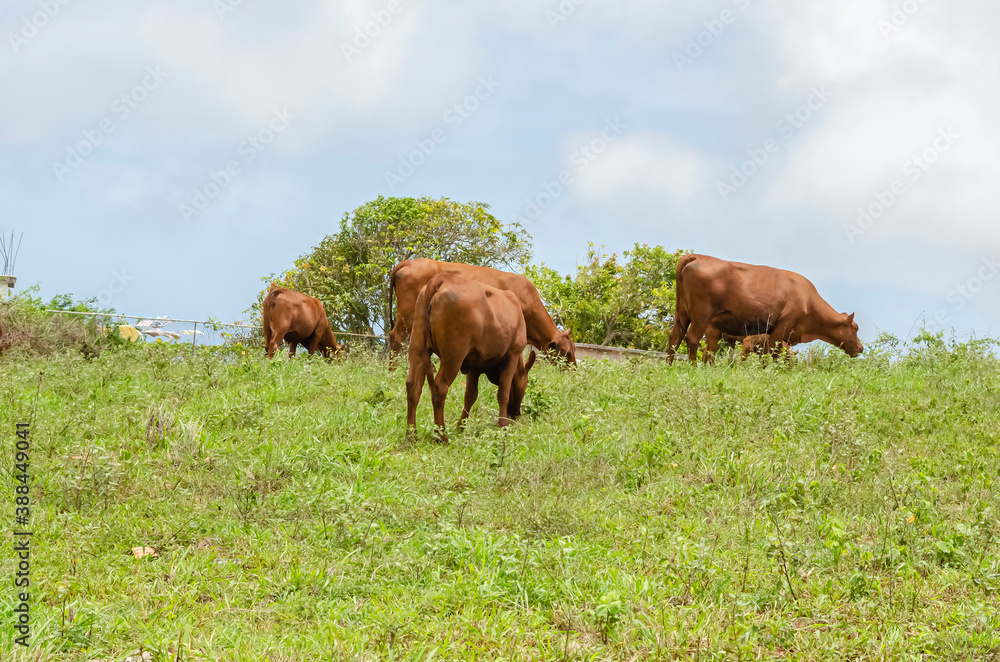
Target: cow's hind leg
{"x":680,"y":327}
{"x":415,"y":377}
{"x":446,"y":374}
{"x":712,"y":336}
{"x":268,"y":350}
{"x":693,"y":338}
{"x":277,"y":335}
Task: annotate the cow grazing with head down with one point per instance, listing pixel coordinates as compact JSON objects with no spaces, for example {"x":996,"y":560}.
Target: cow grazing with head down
{"x":298,"y":319}
{"x":749,"y":300}
{"x":475,"y":329}
{"x":410,"y":276}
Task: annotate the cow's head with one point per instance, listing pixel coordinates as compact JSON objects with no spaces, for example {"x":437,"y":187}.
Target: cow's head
{"x":846,"y":335}
{"x":329,"y":346}
{"x":563,"y":347}
{"x":519,"y":386}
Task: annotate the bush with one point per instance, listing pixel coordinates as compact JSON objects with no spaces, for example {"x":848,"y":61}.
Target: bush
{"x":25,"y":325}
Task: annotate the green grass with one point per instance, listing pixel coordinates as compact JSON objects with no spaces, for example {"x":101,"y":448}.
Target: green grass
{"x":827,"y":509}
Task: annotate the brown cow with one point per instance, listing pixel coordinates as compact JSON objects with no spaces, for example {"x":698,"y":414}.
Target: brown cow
{"x":749,"y":300}
{"x":748,"y":343}
{"x":298,"y":319}
{"x":475,"y":329}
{"x":410,"y":276}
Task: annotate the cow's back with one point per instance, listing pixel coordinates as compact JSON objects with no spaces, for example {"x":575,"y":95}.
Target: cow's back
{"x":742,"y":299}
{"x":293,"y":311}
{"x":423,"y":269}
{"x":462,"y":306}
{"x":721,"y":281}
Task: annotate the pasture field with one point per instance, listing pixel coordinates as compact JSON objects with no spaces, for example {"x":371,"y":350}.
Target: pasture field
{"x":827,"y":509}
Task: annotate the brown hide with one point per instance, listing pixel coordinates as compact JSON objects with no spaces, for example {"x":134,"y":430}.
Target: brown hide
{"x":410,"y":276}
{"x":746,"y":300}
{"x":747,"y":343}
{"x":475,"y":329}
{"x":297,"y":319}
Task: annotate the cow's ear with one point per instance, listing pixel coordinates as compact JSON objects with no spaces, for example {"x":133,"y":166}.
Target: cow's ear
{"x":531,"y":361}
{"x":850,"y":318}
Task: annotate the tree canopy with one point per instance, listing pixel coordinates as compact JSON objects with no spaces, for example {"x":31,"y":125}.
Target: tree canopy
{"x":349,"y":270}
{"x":628,"y":303}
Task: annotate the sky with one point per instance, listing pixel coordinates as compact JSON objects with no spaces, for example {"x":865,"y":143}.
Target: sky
{"x":165,"y":156}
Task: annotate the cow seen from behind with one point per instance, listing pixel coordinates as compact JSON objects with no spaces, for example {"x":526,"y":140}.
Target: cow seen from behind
{"x":475,"y":329}
{"x":409,"y":277}
{"x":298,"y":319}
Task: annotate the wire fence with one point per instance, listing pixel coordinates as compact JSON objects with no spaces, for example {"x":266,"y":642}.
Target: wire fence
{"x":210,"y":333}
{"x":199,"y":333}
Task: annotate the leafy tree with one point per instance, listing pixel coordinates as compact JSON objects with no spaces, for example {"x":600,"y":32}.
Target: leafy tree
{"x":628,"y":303}
{"x":349,"y":271}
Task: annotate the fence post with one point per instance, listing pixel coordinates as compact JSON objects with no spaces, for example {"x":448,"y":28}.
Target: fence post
{"x":194,"y":338}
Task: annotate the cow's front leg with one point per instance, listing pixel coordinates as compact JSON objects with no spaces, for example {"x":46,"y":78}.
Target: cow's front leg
{"x":471,"y":395}
{"x":503,"y":387}
{"x":777,"y":339}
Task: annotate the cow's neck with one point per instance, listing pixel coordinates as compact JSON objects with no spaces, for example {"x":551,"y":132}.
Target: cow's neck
{"x":821,"y":320}
{"x":540,"y":329}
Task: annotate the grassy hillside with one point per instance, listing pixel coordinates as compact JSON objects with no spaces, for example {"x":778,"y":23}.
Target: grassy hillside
{"x":829,"y":509}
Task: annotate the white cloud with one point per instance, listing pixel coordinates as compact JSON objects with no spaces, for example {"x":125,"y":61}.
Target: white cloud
{"x":642,"y":170}
{"x":228,"y":74}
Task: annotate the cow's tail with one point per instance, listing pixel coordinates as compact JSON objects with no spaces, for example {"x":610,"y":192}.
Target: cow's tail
{"x":681,"y":320}
{"x":683,"y":262}
{"x":392,"y":290}
{"x":679,"y":281}
{"x":421,"y":331}
{"x":265,"y":311}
